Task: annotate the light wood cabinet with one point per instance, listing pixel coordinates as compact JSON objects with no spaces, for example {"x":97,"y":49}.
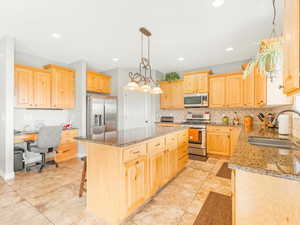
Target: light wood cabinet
{"x":291,"y":47}
{"x":217,"y":91}
{"x":196,"y":82}
{"x":136,"y":175}
{"x":172,"y":96}
{"x":131,"y":175}
{"x":157,"y":172}
{"x":68,"y":147}
{"x":63,"y":87}
{"x":98,"y":82}
{"x":32,"y":87}
{"x":219,"y":140}
{"x":234,"y":90}
{"x":260,"y":88}
{"x":248,"y":90}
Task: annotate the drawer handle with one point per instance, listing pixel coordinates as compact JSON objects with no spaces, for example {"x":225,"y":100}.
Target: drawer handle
{"x":157,"y":145}
{"x":136,"y":152}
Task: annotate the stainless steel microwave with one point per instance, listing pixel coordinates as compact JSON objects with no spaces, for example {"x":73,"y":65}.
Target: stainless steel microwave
{"x":196,"y":100}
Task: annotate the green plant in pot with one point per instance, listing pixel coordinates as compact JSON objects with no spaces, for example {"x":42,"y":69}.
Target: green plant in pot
{"x":172,"y":76}
{"x":268,"y":58}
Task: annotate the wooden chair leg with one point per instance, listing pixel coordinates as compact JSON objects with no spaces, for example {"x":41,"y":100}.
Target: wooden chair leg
{"x":83,"y":178}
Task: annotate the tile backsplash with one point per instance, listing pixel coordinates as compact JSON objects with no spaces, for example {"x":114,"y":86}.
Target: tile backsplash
{"x":216,"y":115}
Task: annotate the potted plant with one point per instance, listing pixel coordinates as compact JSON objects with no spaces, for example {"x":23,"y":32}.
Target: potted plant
{"x":268,"y":58}
{"x":172,"y":76}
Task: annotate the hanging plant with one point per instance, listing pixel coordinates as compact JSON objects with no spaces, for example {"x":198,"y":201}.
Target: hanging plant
{"x":172,"y":76}
{"x":268,"y":58}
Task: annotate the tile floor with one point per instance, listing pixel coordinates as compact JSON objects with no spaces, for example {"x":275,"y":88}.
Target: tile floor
{"x":52,"y":197}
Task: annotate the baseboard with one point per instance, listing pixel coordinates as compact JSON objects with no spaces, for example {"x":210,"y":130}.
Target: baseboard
{"x":7,"y":176}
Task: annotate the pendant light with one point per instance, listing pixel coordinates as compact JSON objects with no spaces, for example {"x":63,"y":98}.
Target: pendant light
{"x":144,"y":76}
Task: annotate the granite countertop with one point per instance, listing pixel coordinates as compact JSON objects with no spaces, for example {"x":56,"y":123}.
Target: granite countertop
{"x":275,"y":162}
{"x":209,"y":124}
{"x":123,"y":138}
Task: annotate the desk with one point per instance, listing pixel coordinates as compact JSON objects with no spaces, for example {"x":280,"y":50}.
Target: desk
{"x":65,"y":151}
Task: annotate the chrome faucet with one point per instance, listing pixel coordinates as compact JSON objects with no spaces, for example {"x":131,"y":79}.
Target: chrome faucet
{"x":284,"y":111}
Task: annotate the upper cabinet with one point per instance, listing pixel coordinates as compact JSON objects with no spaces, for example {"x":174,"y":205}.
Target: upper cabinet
{"x":63,"y":87}
{"x":172,"y":96}
{"x":217,"y":91}
{"x":98,"y":82}
{"x":196,"y":82}
{"x":226,"y":90}
{"x":291,"y":47}
{"x":234,"y":90}
{"x":32,"y":87}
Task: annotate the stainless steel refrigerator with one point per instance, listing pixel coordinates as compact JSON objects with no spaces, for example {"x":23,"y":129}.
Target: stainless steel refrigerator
{"x":101,"y":114}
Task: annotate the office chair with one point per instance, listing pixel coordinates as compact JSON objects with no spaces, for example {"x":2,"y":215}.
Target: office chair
{"x":47,"y":141}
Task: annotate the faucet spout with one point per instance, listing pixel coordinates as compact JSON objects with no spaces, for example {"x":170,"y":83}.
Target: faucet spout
{"x":284,"y":111}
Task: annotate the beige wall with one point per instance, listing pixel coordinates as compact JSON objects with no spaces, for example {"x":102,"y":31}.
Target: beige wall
{"x":296,"y":119}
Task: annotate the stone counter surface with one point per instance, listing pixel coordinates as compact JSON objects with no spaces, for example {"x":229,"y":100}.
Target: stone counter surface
{"x":123,"y":138}
{"x":276,"y":162}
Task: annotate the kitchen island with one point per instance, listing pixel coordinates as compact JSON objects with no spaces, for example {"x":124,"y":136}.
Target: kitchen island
{"x":266,"y":181}
{"x":126,"y":168}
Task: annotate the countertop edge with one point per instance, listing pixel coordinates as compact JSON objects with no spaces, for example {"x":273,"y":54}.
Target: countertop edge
{"x":130,"y":143}
{"x":262,"y":172}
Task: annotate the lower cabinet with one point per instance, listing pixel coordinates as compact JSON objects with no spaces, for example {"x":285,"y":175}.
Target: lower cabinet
{"x":136,"y":176}
{"x":157,"y":172}
{"x":221,"y":140}
{"x":68,"y":146}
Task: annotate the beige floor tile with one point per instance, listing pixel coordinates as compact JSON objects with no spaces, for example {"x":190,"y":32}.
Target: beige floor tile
{"x":158,"y":215}
{"x":195,"y":206}
{"x":19,"y":213}
{"x":188,"y":219}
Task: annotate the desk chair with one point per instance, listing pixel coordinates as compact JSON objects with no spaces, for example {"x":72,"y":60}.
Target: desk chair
{"x":47,"y":141}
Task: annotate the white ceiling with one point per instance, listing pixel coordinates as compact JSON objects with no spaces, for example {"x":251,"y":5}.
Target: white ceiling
{"x":98,"y":30}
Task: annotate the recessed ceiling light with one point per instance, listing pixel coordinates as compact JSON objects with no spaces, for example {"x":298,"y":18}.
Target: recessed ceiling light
{"x":229,"y":49}
{"x":180,"y":59}
{"x":115,"y":59}
{"x":217,"y":3}
{"x":56,"y":35}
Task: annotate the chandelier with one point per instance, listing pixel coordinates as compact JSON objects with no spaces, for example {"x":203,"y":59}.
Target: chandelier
{"x":142,"y":81}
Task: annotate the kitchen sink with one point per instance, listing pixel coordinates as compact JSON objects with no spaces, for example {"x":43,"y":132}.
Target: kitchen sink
{"x":271,"y":142}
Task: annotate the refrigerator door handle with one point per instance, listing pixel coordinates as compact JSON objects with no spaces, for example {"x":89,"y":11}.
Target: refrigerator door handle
{"x":100,"y":120}
{"x":104,"y":115}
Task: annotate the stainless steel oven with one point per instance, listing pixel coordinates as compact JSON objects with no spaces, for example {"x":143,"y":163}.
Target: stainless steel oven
{"x":196,"y":100}
{"x":197,"y":141}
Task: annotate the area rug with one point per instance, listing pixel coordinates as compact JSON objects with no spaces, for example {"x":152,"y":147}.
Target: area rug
{"x":217,"y":210}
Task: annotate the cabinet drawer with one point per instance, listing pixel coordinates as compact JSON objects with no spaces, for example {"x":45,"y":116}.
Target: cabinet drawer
{"x":67,"y":136}
{"x":171,"y":141}
{"x":157,"y":145}
{"x":218,"y":128}
{"x":182,"y":138}
{"x":134,"y":152}
{"x":182,"y":152}
{"x":66,"y":152}
{"x":182,"y":162}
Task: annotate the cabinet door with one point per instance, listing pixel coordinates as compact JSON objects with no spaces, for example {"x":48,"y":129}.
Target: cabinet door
{"x":217,"y":92}
{"x":291,"y":46}
{"x":218,"y":143}
{"x":42,"y":89}
{"x":68,"y":89}
{"x":171,"y":158}
{"x":260,"y":88}
{"x":106,"y":85}
{"x":57,"y":90}
{"x":189,"y":84}
{"x":248,"y":90}
{"x":176,"y":89}
{"x":90,"y":82}
{"x":157,"y":172}
{"x":136,"y":183}
{"x":234,"y":91}
{"x":201,"y":81}
{"x":165,"y":97}
{"x":24,"y":81}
